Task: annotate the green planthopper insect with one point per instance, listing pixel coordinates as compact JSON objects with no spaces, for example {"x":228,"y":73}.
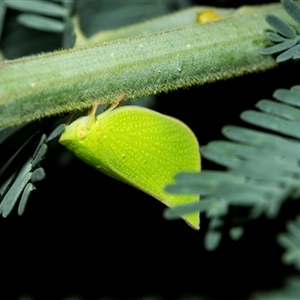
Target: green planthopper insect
{"x":138,"y":146}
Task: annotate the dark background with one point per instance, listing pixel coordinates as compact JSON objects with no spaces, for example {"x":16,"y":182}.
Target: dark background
{"x":86,"y":234}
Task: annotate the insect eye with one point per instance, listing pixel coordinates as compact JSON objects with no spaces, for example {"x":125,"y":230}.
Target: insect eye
{"x":81,"y":134}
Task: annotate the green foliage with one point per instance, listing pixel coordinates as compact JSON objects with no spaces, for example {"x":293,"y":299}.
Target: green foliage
{"x":291,"y":242}
{"x":38,"y":20}
{"x":21,"y":180}
{"x":286,"y":36}
{"x":262,"y":167}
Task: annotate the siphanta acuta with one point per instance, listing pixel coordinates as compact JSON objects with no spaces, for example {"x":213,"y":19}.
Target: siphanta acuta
{"x":138,"y":146}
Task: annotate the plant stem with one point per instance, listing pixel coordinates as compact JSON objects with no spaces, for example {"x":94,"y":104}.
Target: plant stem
{"x":48,"y":84}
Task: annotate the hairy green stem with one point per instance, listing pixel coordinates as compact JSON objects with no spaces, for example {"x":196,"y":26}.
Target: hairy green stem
{"x":48,"y":84}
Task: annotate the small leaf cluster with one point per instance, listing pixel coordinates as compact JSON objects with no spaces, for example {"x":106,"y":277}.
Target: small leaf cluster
{"x":262,"y":168}
{"x":39,"y":14}
{"x":45,"y":16}
{"x":287,"y":38}
{"x":20,"y":181}
{"x":291,"y":242}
